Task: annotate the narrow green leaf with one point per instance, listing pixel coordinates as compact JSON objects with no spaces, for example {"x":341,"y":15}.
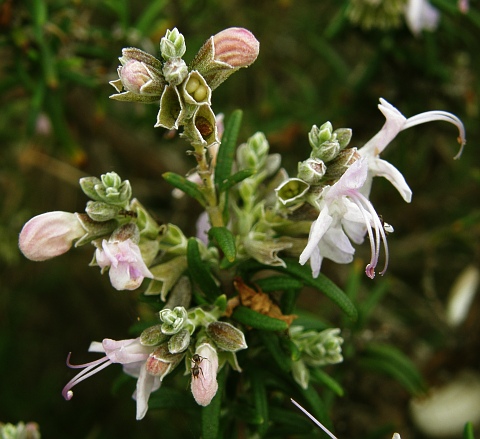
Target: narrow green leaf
{"x":211,"y":413}
{"x":320,"y":376}
{"x":200,"y":272}
{"x":232,"y":180}
{"x":225,"y":240}
{"x":226,"y":152}
{"x":184,"y":185}
{"x":278,"y":283}
{"x":260,"y":400}
{"x":392,"y":362}
{"x":321,"y":283}
{"x":258,"y":321}
{"x":272,"y":343}
{"x":298,"y":423}
{"x":468,"y":431}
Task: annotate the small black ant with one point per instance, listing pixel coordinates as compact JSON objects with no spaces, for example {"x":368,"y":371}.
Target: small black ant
{"x":196,"y":369}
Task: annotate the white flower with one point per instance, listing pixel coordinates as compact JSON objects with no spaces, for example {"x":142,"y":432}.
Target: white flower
{"x":345,"y":214}
{"x":396,"y":122}
{"x":132,"y":355}
{"x":421,"y":15}
{"x":204,"y":374}
{"x":127,"y":268}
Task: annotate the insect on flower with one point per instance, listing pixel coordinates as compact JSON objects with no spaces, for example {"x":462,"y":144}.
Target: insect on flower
{"x":196,"y":369}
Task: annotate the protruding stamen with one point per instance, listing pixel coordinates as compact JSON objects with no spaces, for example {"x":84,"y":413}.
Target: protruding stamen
{"x":430,"y":116}
{"x":89,"y":369}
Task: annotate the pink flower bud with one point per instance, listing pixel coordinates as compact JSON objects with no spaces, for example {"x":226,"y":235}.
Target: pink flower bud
{"x":204,"y":374}
{"x":225,"y":53}
{"x":49,"y":234}
{"x":236,"y":46}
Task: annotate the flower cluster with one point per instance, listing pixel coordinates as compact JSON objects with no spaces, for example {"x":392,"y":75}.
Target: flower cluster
{"x":336,"y":181}
{"x":316,"y":349}
{"x":184,"y":92}
{"x":197,"y":335}
{"x":215,"y":286}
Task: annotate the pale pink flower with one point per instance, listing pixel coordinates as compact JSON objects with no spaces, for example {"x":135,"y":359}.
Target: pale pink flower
{"x":126,"y":266}
{"x":345,"y":214}
{"x":204,"y":383}
{"x":49,"y":234}
{"x":132,"y":355}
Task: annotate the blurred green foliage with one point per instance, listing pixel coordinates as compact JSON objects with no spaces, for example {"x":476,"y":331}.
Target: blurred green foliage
{"x":58,"y":124}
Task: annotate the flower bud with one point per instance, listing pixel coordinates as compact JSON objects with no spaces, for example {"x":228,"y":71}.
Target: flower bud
{"x":292,"y":191}
{"x":343,"y":136}
{"x":140,"y":75}
{"x":172,"y":45}
{"x":225,"y":53}
{"x":100,"y":211}
{"x":109,"y":188}
{"x":175,"y":70}
{"x":50,"y":234}
{"x":311,"y":170}
{"x":327,"y":151}
{"x":161,"y":362}
{"x":317,"y":136}
{"x":204,"y":374}
{"x":179,"y":342}
{"x":153,"y":336}
{"x":226,"y":336}
{"x":342,"y":162}
{"x":125,"y":232}
{"x":173,"y":320}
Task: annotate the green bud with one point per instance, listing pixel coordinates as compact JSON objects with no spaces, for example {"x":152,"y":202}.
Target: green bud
{"x":292,"y":191}
{"x":100,"y":211}
{"x":343,"y":136}
{"x":318,"y":348}
{"x":153,"y":336}
{"x":300,"y":373}
{"x":226,"y":336}
{"x":326,"y":151}
{"x":311,"y":170}
{"x":165,"y":276}
{"x":172,"y":45}
{"x":179,"y":342}
{"x":88,"y":184}
{"x":317,"y":136}
{"x":175,"y":71}
{"x":173,"y":320}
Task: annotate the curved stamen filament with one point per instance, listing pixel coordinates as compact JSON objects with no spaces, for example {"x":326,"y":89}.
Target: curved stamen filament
{"x":89,"y":369}
{"x":430,"y":116}
{"x":365,"y":207}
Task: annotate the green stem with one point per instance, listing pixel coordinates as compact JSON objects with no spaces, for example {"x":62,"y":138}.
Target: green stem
{"x":208,"y":189}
